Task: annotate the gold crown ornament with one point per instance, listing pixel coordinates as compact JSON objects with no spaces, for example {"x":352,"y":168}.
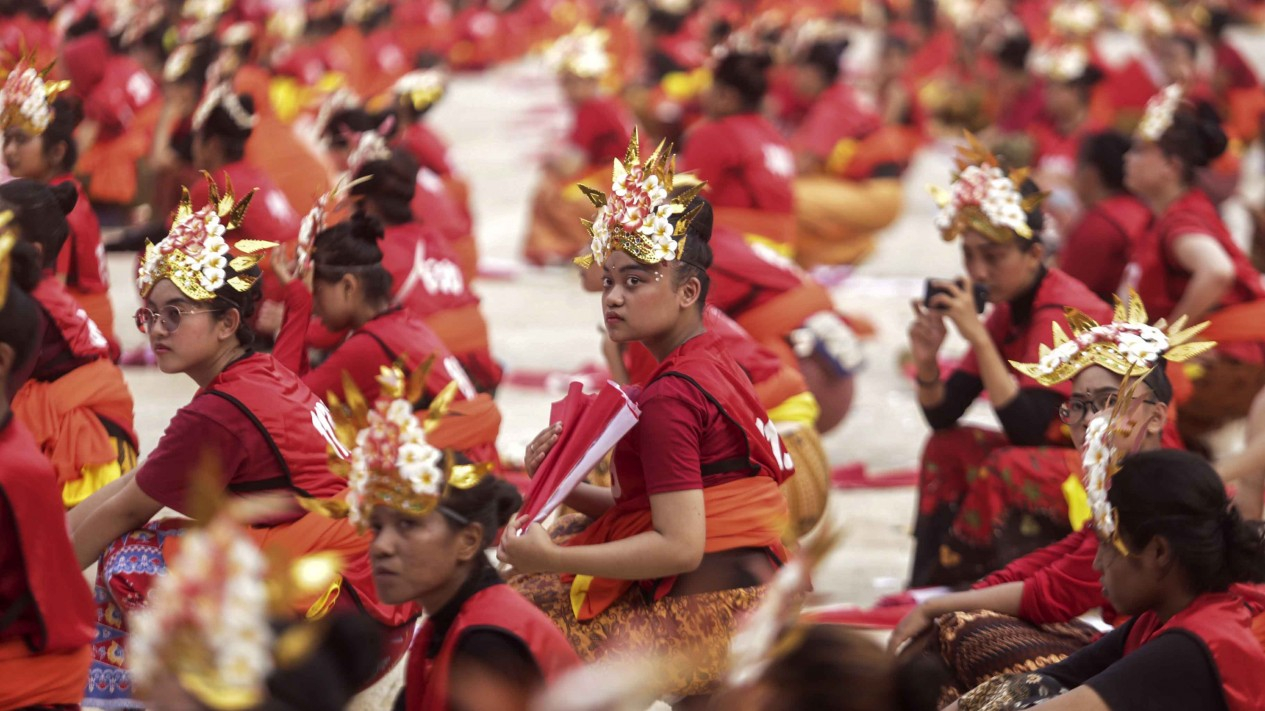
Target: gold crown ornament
{"x":1062,"y":63}
{"x":635,"y":216}
{"x":26,"y":97}
{"x":384,"y":453}
{"x":1160,"y":109}
{"x":983,"y":198}
{"x":582,"y":53}
{"x":420,"y":89}
{"x":1076,"y":19}
{"x":1129,"y":344}
{"x":195,"y":256}
{"x":8,"y":240}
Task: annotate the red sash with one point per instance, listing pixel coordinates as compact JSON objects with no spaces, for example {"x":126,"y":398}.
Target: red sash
{"x":499,"y":607}
{"x":81,"y":334}
{"x":59,"y":594}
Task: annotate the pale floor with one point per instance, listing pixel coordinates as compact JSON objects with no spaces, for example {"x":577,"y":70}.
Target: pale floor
{"x":498,"y":124}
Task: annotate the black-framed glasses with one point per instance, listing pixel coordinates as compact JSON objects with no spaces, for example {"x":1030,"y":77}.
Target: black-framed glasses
{"x":1076,"y":409}
{"x":170,"y":315}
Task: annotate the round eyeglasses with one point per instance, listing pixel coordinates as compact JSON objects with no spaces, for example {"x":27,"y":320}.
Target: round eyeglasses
{"x":1076,"y":409}
{"x":169,"y":314}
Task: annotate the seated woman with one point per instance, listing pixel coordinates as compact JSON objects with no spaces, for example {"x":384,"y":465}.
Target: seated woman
{"x":1097,"y":248}
{"x":46,"y":635}
{"x":682,"y":544}
{"x":748,"y":166}
{"x":849,"y":164}
{"x":1186,"y":264}
{"x":1003,"y":253}
{"x":351,"y":291}
{"x":1171,"y":553}
{"x":426,"y":278}
{"x":75,"y":400}
{"x":1027,"y":611}
{"x":252,"y":427}
{"x":600,"y":129}
{"x":41,"y":146}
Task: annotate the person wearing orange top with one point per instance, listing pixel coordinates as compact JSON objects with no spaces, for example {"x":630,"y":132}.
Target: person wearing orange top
{"x":75,"y":401}
{"x":686,"y":539}
{"x":46,"y":632}
{"x":601,"y":126}
{"x":848,"y":162}
{"x":748,"y":166}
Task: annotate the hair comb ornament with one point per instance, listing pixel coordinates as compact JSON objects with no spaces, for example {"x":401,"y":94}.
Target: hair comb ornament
{"x":389,"y":461}
{"x":195,"y":255}
{"x":368,"y":147}
{"x":635,"y":216}
{"x":317,"y":219}
{"x":222,"y":95}
{"x":26,"y":97}
{"x":1160,"y":110}
{"x":1126,"y":345}
{"x":984,"y":199}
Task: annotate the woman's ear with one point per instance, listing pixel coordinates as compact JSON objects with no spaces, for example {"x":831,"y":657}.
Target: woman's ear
{"x":1159,"y":418}
{"x":470,"y":542}
{"x":688,"y":293}
{"x":348,"y":285}
{"x":228,"y":325}
{"x":56,"y":155}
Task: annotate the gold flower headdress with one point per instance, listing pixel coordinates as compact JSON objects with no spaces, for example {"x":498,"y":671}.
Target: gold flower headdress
{"x":1076,"y":19}
{"x":1126,"y":345}
{"x":26,"y":98}
{"x":420,"y":89}
{"x":1061,"y":63}
{"x":195,"y":256}
{"x":8,"y":240}
{"x":983,"y":198}
{"x":389,"y":460}
{"x":635,"y":216}
{"x":1160,"y":110}
{"x":582,"y":53}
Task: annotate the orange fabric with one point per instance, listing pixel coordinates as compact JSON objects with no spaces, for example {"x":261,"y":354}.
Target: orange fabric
{"x":775,"y":226}
{"x":746,"y":513}
{"x":1245,"y":109}
{"x":109,"y":168}
{"x":468,"y":424}
{"x":30,"y":679}
{"x":555,"y":232}
{"x":1240,"y":323}
{"x":780,"y":387}
{"x":772,"y":321}
{"x":463,"y":330}
{"x":839,"y":219}
{"x":296,"y":171}
{"x":62,"y":415}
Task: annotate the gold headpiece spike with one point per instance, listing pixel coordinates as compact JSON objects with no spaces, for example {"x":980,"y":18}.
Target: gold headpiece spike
{"x":1137,"y":309}
{"x":1186,"y":351}
{"x":653,"y":161}
{"x":597,"y":197}
{"x":225,"y":203}
{"x":356,"y":402}
{"x":244,"y":262}
{"x":185,"y":209}
{"x":439,"y":407}
{"x":632,"y":153}
{"x":417,"y":381}
{"x":8,"y":240}
{"x":329,"y":508}
{"x":1059,"y":336}
{"x":254,"y":246}
{"x":1180,"y":336}
{"x":213,"y":190}
{"x":583,"y":262}
{"x":467,"y":476}
{"x":683,"y":224}
{"x":1079,"y":322}
{"x":618,"y":172}
{"x":242,"y":283}
{"x":238,"y":212}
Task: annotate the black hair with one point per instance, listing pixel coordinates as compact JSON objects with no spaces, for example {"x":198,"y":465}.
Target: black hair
{"x":1085,"y":83}
{"x":664,"y":22}
{"x":826,"y":56}
{"x":352,"y":248}
{"x":1157,"y":380}
{"x":696,"y":256}
{"x":228,"y":298}
{"x":1013,"y":53}
{"x":1035,"y":218}
{"x":1187,"y":42}
{"x":40,"y":210}
{"x":20,"y":317}
{"x":1104,"y":152}
{"x":1195,"y":138}
{"x":832,"y":668}
{"x":85,"y":25}
{"x":1178,"y":495}
{"x":67,"y":113}
{"x":348,"y":122}
{"x":31,"y":8}
{"x":491,"y":502}
{"x":390,"y":186}
{"x":220,"y":124}
{"x":747,"y":74}
{"x":343,"y":662}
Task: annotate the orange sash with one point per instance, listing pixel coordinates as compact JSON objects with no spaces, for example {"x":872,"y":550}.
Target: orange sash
{"x":746,"y":513}
{"x":770,"y":322}
{"x":31,"y":679}
{"x":463,"y":329}
{"x":63,"y":416}
{"x":773,"y":226}
{"x":1240,"y":323}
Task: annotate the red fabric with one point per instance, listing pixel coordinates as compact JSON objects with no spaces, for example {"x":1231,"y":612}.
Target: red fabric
{"x":435,"y":206}
{"x":838,"y":114}
{"x":1231,"y":64}
{"x":37,"y":555}
{"x":1098,"y":247}
{"x":1059,"y":581}
{"x":497,"y":607}
{"x":211,"y":426}
{"x":82,"y":258}
{"x":427,"y":148}
{"x":113,"y":87}
{"x":1022,"y":109}
{"x":21,"y":34}
{"x":1023,"y":343}
{"x":439,"y":286}
{"x":745,"y":161}
{"x":1056,"y":152}
{"x":759,"y":363}
{"x":1130,"y":87}
{"x":1223,"y":621}
{"x":81,"y":335}
{"x":602,"y":129}
{"x":1161,"y":282}
{"x":745,"y":277}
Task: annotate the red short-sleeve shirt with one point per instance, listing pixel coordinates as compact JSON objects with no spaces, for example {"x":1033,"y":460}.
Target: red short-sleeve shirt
{"x":745,"y":161}
{"x":602,"y":129}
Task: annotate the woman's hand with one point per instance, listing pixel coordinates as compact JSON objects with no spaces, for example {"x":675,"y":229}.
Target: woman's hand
{"x":926,"y":336}
{"x":532,"y":551}
{"x":911,"y":626}
{"x":957,"y":303}
{"x":539,"y":448}
{"x":286,"y":267}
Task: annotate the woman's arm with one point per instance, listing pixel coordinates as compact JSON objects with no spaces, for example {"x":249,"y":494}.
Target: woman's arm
{"x":958,"y":304}
{"x":673,"y":546}
{"x":1211,"y":275}
{"x":126,"y":510}
{"x":291,"y":347}
{"x":590,"y":499}
{"x":80,"y":513}
{"x":1004,"y":599}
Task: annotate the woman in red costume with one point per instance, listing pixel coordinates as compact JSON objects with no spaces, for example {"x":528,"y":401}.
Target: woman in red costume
{"x":1098,"y":246}
{"x":252,"y":427}
{"x":684,"y":542}
{"x":748,"y":166}
{"x":46,"y":632}
{"x":1002,"y":252}
{"x":39,"y":144}
{"x":75,"y":402}
{"x":1187,"y":264}
{"x":1171,"y":550}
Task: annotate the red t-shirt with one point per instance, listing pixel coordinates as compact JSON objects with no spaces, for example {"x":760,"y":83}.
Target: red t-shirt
{"x":838,"y":114}
{"x":82,"y":258}
{"x":1056,"y":152}
{"x":427,"y":148}
{"x":745,"y":161}
{"x":1097,"y":249}
{"x":602,"y":129}
{"x":434,"y":206}
{"x":744,"y":276}
{"x":758,"y":362}
{"x":13,"y":585}
{"x":424,"y":272}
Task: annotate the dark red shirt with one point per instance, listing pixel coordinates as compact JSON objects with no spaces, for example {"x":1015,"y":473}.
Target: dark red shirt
{"x":427,"y":148}
{"x":745,"y":161}
{"x":602,"y":129}
{"x":82,"y":258}
{"x":837,"y":115}
{"x":426,"y":278}
{"x":1097,"y":249}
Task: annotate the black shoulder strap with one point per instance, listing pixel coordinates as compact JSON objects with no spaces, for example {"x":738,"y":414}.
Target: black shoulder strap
{"x":390,"y":354}
{"x":279,"y":482}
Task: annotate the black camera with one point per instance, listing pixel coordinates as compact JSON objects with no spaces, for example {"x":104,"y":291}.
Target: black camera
{"x":936,"y":286}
